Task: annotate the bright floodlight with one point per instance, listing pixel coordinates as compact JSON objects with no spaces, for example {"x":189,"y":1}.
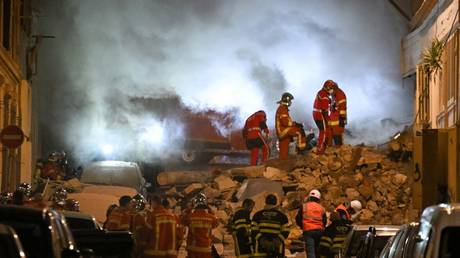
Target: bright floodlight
{"x":107,"y":149}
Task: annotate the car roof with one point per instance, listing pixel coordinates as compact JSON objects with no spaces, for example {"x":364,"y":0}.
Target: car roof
{"x":22,"y":211}
{"x":381,"y":230}
{"x":77,"y":215}
{"x":432,"y":213}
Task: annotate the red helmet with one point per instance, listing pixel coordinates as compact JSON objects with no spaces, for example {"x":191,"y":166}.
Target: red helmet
{"x":329,"y":84}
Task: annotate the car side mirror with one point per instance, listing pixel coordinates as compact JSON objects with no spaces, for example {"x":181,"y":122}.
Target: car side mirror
{"x":418,"y":238}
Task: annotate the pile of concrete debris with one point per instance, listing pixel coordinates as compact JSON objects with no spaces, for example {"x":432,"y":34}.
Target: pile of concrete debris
{"x":341,"y":174}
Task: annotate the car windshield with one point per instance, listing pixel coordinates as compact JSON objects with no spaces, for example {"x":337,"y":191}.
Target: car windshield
{"x":356,"y":242}
{"x":112,"y":173}
{"x":449,"y":242}
{"x":34,"y":235}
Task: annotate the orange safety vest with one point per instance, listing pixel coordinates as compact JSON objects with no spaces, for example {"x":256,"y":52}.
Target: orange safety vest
{"x":283,"y":121}
{"x":255,"y":124}
{"x":162,"y":238}
{"x":321,"y":104}
{"x":343,"y":208}
{"x":119,"y":220}
{"x":312,"y":216}
{"x":200,"y":223}
{"x":341,"y":102}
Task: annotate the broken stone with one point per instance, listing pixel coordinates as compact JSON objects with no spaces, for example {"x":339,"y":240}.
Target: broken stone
{"x":184,"y":177}
{"x":352,"y":193}
{"x":399,"y":179}
{"x":366,"y":191}
{"x":192,"y":188}
{"x":371,"y":205}
{"x":366,"y":215}
{"x":274,"y":174}
{"x":224,"y":182}
{"x":251,"y":171}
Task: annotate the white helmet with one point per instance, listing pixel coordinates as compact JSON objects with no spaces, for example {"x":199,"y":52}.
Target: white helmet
{"x":315,"y":193}
{"x":356,"y":205}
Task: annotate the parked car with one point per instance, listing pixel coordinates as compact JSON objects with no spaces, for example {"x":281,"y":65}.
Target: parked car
{"x":115,"y":173}
{"x":439,"y":232}
{"x":90,"y":235}
{"x":402,"y":244}
{"x":10,"y":246}
{"x":43,"y":232}
{"x":368,"y":240}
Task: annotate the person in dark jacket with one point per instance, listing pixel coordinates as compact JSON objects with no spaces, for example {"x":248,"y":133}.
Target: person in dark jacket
{"x":241,"y":230}
{"x":334,"y":236}
{"x":270,"y":228}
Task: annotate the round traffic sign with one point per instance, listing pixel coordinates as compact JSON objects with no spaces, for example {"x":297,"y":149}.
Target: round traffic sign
{"x":12,"y":136}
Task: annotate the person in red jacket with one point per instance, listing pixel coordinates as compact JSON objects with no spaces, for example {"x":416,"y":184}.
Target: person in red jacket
{"x":312,"y":218}
{"x":339,"y":100}
{"x":162,"y":226}
{"x":252,"y":133}
{"x":200,"y":222}
{"x":287,"y":129}
{"x":321,"y":114}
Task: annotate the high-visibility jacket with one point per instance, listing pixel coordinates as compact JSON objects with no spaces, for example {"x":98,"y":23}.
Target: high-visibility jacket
{"x":119,"y":220}
{"x":283,"y":121}
{"x":254,"y":125}
{"x":241,"y":231}
{"x":334,"y":237}
{"x":341,"y":102}
{"x":321,"y":104}
{"x":200,"y":223}
{"x":343,"y":212}
{"x":162,"y":238}
{"x":140,"y":230}
{"x":312,"y":216}
{"x":269,"y":225}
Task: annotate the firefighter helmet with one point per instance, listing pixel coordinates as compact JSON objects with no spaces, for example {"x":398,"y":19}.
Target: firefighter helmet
{"x":139,"y":202}
{"x":315,"y":193}
{"x":72,"y":205}
{"x":6,"y":198}
{"x":26,"y":188}
{"x":200,"y":201}
{"x":356,"y":205}
{"x":60,"y":195}
{"x":329,"y":85}
{"x":286,"y":99}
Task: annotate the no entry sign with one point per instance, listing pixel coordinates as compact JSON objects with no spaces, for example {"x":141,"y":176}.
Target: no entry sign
{"x":12,"y":137}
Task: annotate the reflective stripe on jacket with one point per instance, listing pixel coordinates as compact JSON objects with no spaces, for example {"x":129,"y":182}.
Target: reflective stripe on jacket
{"x":256,"y":123}
{"x":283,"y":121}
{"x":343,"y":209}
{"x":119,"y":220}
{"x":200,"y":223}
{"x":162,"y":240}
{"x":312,"y":216}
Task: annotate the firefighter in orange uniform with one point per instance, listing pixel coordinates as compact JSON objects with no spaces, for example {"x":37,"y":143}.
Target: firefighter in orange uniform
{"x":121,"y":217}
{"x":339,"y":100}
{"x":200,"y":222}
{"x":162,"y":225}
{"x":286,"y":129}
{"x":321,"y":114}
{"x":252,"y":133}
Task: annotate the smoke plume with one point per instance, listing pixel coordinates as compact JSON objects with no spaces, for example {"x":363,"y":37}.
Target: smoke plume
{"x":218,"y":55}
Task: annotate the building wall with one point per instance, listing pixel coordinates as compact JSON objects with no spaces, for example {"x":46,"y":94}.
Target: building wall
{"x":15,"y":91}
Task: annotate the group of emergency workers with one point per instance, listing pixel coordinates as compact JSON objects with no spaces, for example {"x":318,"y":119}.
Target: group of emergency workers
{"x":329,"y":114}
{"x":265,"y":233}
{"x":159,"y":232}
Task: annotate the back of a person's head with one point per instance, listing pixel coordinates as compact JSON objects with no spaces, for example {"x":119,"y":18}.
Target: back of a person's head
{"x":165,"y":203}
{"x":271,"y":199}
{"x":248,"y":204}
{"x":334,"y":216}
{"x":18,"y":197}
{"x":155,"y":200}
{"x":124,"y":200}
{"x":110,"y":209}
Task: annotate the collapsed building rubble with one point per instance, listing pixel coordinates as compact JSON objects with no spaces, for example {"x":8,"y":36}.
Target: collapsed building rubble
{"x":341,"y":174}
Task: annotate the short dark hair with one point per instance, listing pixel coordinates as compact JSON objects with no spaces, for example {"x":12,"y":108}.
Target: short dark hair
{"x":124,"y":200}
{"x":156,"y":199}
{"x":248,"y":203}
{"x":165,"y":203}
{"x":271,"y":199}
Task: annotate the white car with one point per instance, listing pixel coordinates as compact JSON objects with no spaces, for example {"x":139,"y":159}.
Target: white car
{"x":115,"y":173}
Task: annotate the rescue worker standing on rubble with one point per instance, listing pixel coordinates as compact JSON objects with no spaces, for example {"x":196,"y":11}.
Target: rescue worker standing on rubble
{"x":162,"y":227}
{"x":349,"y":210}
{"x":241,"y":230}
{"x":333,"y":239}
{"x":287,"y":129}
{"x":120,"y":218}
{"x":270,"y":229}
{"x":252,"y":134}
{"x":321,"y":114}
{"x":338,"y":116}
{"x":312,"y":218}
{"x":200,"y":223}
